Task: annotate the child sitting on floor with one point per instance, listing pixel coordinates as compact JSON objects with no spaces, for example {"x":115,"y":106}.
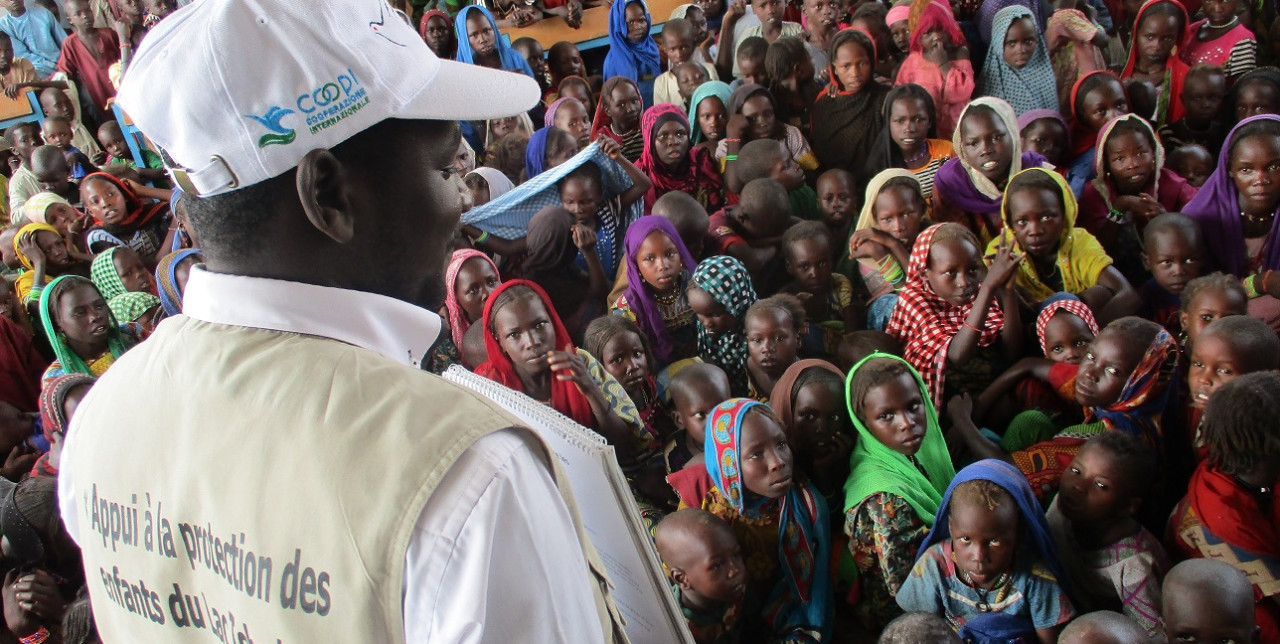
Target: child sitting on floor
{"x":1225,"y":350}
{"x":704,"y":562}
{"x":1191,"y":162}
{"x":827,"y":296}
{"x":809,"y":400}
{"x":720,"y":292}
{"x":690,"y":76}
{"x":1208,"y":600}
{"x":1208,"y":298}
{"x":1174,"y":255}
{"x":53,"y":172}
{"x":678,"y":43}
{"x":1203,"y":94}
{"x":939,"y":61}
{"x":773,"y":327}
{"x":977,"y":569}
{"x":658,"y":268}
{"x":112,"y":139}
{"x":766,"y":158}
{"x":119,"y":270}
{"x":56,"y":131}
{"x":23,"y":139}
{"x":752,"y":231}
{"x":1115,"y":562}
{"x":695,"y":390}
{"x":893,"y":214}
{"x":623,"y":350}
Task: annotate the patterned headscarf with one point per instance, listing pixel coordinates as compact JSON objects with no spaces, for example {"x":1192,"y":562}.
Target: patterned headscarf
{"x":709,"y":89}
{"x":640,"y":295}
{"x":167,"y":279}
{"x":132,"y":305}
{"x":139,"y":214}
{"x":566,"y":398}
{"x":53,"y":416}
{"x":729,"y":283}
{"x":987,"y":17}
{"x":66,"y":356}
{"x":36,"y":206}
{"x":1146,"y":394}
{"x":104,"y":274}
{"x":1071,"y":305}
{"x":1031,"y":87}
{"x":927,"y":15}
{"x":30,"y":229}
{"x":926,"y":323}
{"x":803,"y":541}
{"x":458,"y":322}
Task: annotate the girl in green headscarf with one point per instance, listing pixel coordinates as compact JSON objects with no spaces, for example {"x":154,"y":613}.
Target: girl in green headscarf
{"x":80,"y":328}
{"x":899,"y":471}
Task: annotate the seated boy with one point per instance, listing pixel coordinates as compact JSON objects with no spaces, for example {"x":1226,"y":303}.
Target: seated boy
{"x":769,"y":158}
{"x":750,"y":63}
{"x":1203,"y":92}
{"x":677,"y":42}
{"x":56,"y":131}
{"x":1191,"y":162}
{"x":112,"y":139}
{"x":707,"y":572}
{"x":49,"y":164}
{"x":695,"y":390}
{"x":23,"y":138}
{"x":55,"y":102}
{"x":827,"y":296}
{"x":1174,"y":254}
{"x":1206,"y":600}
{"x":1103,"y":627}
{"x":752,"y":231}
{"x":690,"y":76}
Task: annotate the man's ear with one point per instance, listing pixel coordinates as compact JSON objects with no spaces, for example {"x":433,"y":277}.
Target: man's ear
{"x":325,"y":195}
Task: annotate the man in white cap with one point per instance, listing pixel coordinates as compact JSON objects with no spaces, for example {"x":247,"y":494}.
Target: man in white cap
{"x":272,"y":466}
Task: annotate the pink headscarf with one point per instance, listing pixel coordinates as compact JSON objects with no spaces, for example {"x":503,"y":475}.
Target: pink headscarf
{"x":550,"y":119}
{"x":458,"y":322}
{"x":898,"y":13}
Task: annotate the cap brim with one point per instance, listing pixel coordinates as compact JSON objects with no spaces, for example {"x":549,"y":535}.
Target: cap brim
{"x":463,"y":92}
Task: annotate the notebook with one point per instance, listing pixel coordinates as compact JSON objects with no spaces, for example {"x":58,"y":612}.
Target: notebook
{"x":612,"y":520}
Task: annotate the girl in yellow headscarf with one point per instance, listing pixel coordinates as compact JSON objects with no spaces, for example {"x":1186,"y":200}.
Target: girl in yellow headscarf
{"x":1039,"y":212}
{"x":44,"y":254}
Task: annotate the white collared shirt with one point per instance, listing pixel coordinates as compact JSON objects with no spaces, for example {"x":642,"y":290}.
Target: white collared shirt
{"x":494,"y":557}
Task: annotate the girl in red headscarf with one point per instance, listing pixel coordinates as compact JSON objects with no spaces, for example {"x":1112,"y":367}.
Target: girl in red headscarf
{"x":938,"y":61}
{"x":1161,"y":25}
{"x":436,"y":29}
{"x":124,"y":214}
{"x":673,"y":165}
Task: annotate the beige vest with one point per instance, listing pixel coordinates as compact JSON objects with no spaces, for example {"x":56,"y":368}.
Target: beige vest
{"x":242,"y":485}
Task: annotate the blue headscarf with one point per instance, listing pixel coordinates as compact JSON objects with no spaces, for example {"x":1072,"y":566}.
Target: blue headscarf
{"x":535,"y":156}
{"x":167,"y":280}
{"x":512,"y":61}
{"x":638,"y":61}
{"x":1034,"y":87}
{"x":803,"y":597}
{"x":718,"y":89}
{"x":1033,"y":524}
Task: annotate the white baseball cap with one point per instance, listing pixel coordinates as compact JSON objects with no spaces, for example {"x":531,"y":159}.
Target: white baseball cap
{"x":236,"y":92}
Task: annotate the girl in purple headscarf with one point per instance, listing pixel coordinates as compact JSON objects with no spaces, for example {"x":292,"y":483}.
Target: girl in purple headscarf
{"x":658,"y":269}
{"x":1237,"y":209}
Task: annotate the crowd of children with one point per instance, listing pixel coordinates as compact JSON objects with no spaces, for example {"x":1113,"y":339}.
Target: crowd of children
{"x":906,"y":321}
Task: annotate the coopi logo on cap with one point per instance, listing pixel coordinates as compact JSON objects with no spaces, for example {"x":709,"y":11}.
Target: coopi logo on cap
{"x":323,"y":107}
{"x":279,"y":135}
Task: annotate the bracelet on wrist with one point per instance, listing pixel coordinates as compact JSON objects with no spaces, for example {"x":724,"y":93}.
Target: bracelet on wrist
{"x":36,"y":637}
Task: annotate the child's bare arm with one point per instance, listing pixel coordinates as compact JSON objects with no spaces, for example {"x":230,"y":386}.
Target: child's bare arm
{"x":640,"y":182}
{"x":1037,"y":368}
{"x":495,"y":244}
{"x":724,"y":57}
{"x":960,"y":408}
{"x":753,"y":258}
{"x":1049,"y":635}
{"x":1011,"y":335}
{"x":1124,"y":299}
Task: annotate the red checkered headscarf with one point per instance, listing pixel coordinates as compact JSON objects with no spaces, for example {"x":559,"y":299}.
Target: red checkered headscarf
{"x":1072,"y":306}
{"x":925,"y":323}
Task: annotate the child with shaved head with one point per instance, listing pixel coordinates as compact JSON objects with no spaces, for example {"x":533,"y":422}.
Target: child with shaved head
{"x":704,"y":562}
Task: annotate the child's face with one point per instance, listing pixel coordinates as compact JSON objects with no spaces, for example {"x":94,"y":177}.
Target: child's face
{"x":809,"y":264}
{"x":1207,"y":306}
{"x":105,"y":202}
{"x":536,"y":58}
{"x":760,"y":116}
{"x":694,"y":403}
{"x":561,"y":146}
{"x":1047,"y":137}
{"x":768,"y":11}
{"x":1156,"y":37}
{"x":504,"y":126}
{"x":765,"y":457}
{"x":566,"y":62}
{"x":712,"y":118}
{"x":901,"y":31}
{"x":1197,"y":622}
{"x":23,"y":141}
{"x":1131,"y":160}
{"x":525,"y":333}
{"x":698,"y":20}
{"x":624,"y":358}
{"x":786,"y":171}
{"x":56,"y":104}
{"x":894,"y":413}
{"x":80,"y":15}
{"x":690,"y":77}
{"x":853,"y":66}
{"x":1020,"y":43}
{"x":817,"y":416}
{"x":955,"y":271}
{"x":56,"y":133}
{"x":909,"y":122}
{"x":479,"y":195}
{"x":54,"y":249}
{"x":752,"y":69}
{"x":1214,"y":362}
{"x":572,"y":117}
{"x":1202,"y":96}
{"x":772,"y":341}
{"x":624,"y":107}
{"x":678,"y":48}
{"x":1174,"y":260}
{"x":438,"y":32}
{"x":581,"y":197}
{"x":1066,"y":338}
{"x":1095,"y":488}
{"x":898,"y":211}
{"x":55,"y":177}
{"x":83,"y":315}
{"x":835,"y":200}
{"x":821,"y":12}
{"x":1103,"y":103}
{"x":659,"y":262}
{"x":1219,"y":11}
{"x":114,"y":144}
{"x":1255,"y":169}
{"x":714,"y":571}
{"x":1037,"y":220}
{"x":161,"y":8}
{"x":1193,"y":164}
{"x":132,"y":10}
{"x":1256,"y":98}
{"x":710,"y":7}
{"x":983,"y":541}
{"x":480,"y":34}
{"x":1106,"y":367}
{"x":475,"y":281}
{"x":671,"y":144}
{"x":133,"y":273}
{"x":711,"y":314}
{"x":986,"y":145}
{"x":637,"y":23}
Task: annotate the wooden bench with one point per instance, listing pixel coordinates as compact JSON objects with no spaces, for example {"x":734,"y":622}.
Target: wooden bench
{"x":594,"y":31}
